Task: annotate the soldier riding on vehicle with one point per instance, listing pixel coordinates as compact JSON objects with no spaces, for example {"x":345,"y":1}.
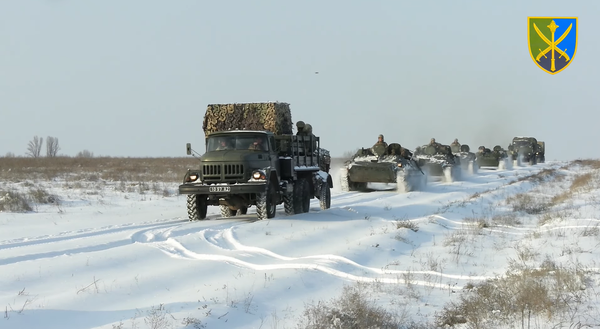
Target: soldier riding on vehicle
{"x":380,"y":147}
{"x":455,"y":146}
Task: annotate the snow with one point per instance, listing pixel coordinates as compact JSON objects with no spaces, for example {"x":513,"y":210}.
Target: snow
{"x":110,"y":257}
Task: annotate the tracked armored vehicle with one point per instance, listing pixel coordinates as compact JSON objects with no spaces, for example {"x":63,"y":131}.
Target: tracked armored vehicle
{"x":527,"y":150}
{"x":389,"y":166}
{"x":497,"y":159}
{"x":438,"y":160}
{"x":253,"y":159}
{"x":467,"y":158}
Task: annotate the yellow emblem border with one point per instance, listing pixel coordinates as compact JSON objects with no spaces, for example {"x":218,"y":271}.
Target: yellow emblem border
{"x":529,"y":41}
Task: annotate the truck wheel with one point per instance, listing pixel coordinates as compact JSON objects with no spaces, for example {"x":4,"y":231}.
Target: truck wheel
{"x":196,"y":206}
{"x":265,"y":205}
{"x":306,"y":196}
{"x":226,"y":212}
{"x":288,"y":203}
{"x":299,"y":192}
{"x":325,"y":197}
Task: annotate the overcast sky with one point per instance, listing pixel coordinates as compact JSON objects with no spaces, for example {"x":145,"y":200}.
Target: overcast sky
{"x":133,"y":78}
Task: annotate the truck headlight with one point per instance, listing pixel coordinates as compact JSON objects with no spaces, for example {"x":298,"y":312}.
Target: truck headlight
{"x":400,"y":165}
{"x":258,"y":175}
{"x":193,"y":177}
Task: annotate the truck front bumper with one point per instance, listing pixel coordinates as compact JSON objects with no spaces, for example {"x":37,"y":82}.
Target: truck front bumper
{"x":245,"y":188}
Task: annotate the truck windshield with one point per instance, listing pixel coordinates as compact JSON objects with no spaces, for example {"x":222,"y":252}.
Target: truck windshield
{"x":521,"y":142}
{"x":244,"y":142}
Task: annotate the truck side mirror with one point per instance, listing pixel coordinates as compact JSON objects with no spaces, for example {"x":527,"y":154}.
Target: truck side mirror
{"x":188,"y":148}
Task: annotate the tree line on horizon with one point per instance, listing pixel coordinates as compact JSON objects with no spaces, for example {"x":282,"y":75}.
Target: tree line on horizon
{"x":34,"y":149}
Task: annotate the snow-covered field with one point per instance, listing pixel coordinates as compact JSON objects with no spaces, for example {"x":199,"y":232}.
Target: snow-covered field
{"x":103,"y":256}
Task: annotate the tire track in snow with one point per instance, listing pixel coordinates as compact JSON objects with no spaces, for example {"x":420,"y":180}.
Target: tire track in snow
{"x":84,"y":233}
{"x":143,"y":233}
{"x":233,"y":253}
{"x":174,"y":249}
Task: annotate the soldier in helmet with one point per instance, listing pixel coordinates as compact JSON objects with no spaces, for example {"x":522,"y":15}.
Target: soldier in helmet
{"x":455,"y":146}
{"x":300,"y":125}
{"x":380,"y":141}
{"x":308,"y":133}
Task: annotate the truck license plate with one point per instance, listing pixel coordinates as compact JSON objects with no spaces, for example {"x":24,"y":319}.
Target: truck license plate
{"x":219,"y":189}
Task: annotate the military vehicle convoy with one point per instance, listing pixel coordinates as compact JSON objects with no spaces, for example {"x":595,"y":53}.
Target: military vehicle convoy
{"x":527,"y":150}
{"x":438,"y":160}
{"x":252,"y":158}
{"x":388,"y":165}
{"x":498,"y":158}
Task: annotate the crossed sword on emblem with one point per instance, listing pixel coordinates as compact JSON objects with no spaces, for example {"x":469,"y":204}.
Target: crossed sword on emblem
{"x":552,"y":45}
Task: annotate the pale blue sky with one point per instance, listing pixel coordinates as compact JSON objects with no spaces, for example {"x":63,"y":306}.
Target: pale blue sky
{"x":133,"y":78}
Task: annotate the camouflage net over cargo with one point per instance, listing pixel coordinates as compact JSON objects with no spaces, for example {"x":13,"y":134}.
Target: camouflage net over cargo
{"x":273,"y":117}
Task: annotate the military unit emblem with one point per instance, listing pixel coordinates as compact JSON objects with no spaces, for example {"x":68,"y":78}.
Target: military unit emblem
{"x":552,"y":42}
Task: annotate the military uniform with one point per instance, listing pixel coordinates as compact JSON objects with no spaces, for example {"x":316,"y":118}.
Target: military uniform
{"x":455,"y":146}
{"x":380,"y":147}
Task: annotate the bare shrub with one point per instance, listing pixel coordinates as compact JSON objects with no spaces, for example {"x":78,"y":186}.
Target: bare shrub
{"x":352,"y":310}
{"x":34,"y":148}
{"x":13,"y":201}
{"x":41,"y":196}
{"x":9,"y":155}
{"x":523,"y":294}
{"x":52,"y":147}
{"x":157,"y":318}
{"x":506,"y":220}
{"x":407,"y":224}
{"x":527,"y":203}
{"x":193,"y":322}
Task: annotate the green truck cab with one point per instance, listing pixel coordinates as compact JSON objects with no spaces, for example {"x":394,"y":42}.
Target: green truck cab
{"x":244,"y":168}
{"x":527,"y":149}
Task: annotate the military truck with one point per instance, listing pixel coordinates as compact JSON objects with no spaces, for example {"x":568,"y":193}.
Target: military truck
{"x":498,"y":158}
{"x":527,"y":150}
{"x":391,"y":166}
{"x":438,"y":160}
{"x":244,"y":166}
{"x":467,"y":158}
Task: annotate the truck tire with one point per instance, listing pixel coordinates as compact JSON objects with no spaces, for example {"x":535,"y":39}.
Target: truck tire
{"x":265,"y":207}
{"x":196,"y":206}
{"x":325,"y":197}
{"x":288,"y":203}
{"x":226,"y":212}
{"x":301,"y":196}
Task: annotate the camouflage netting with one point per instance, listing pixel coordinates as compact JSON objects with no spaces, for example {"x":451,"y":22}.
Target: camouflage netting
{"x":274,"y":117}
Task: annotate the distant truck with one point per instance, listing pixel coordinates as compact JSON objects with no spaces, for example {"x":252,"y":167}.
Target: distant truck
{"x":252,"y":158}
{"x":527,"y":149}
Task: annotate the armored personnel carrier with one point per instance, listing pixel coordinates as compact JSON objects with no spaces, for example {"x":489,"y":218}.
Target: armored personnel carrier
{"x":437,"y":160}
{"x":498,"y":158}
{"x":392,"y":165}
{"x":527,"y":150}
{"x":467,"y":158}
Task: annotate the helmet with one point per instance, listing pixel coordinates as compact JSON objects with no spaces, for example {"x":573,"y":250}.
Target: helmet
{"x":456,"y":140}
{"x":497,"y":148}
{"x":308,"y":128}
{"x":433,"y":140}
{"x":300,"y":124}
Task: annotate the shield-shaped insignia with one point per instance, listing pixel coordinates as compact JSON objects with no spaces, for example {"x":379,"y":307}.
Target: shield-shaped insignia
{"x":552,"y":42}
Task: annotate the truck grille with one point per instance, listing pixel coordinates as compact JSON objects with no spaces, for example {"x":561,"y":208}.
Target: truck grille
{"x":233,"y":171}
{"x":216,"y":172}
{"x":211,"y":171}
